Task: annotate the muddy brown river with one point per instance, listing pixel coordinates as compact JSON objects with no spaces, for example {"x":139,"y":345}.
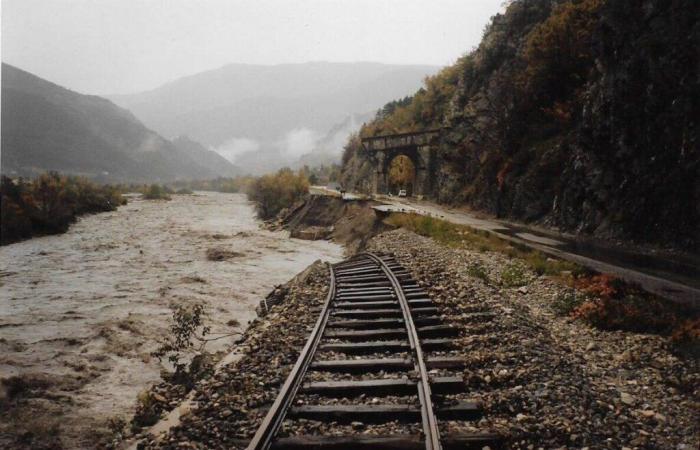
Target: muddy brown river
{"x":81,"y":312}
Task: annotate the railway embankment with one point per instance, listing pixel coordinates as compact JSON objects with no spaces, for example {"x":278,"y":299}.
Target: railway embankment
{"x":349,"y":223}
{"x":552,"y":356}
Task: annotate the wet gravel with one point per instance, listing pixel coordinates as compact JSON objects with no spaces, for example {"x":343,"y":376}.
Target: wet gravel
{"x":302,"y":427}
{"x":340,"y":376}
{"x":230,"y":405}
{"x":335,"y":356}
{"x":546,"y":381}
{"x":359,"y":400}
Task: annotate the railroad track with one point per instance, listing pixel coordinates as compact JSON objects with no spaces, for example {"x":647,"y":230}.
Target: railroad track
{"x":378,"y":337}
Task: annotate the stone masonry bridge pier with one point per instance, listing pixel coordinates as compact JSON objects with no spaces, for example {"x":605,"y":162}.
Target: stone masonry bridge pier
{"x":418,"y":146}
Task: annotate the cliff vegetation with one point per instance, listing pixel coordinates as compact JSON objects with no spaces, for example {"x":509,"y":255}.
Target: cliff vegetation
{"x":574,"y":114}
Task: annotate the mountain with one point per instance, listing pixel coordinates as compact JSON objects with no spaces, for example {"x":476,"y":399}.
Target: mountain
{"x":580,"y":115}
{"x":279,"y":110}
{"x":48,"y":127}
{"x":206,"y":158}
{"x":329,"y":149}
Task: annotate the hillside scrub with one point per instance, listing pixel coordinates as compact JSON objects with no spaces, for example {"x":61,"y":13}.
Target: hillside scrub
{"x":274,"y":192}
{"x":50,"y":203}
{"x":157,"y":192}
{"x":575,"y":114}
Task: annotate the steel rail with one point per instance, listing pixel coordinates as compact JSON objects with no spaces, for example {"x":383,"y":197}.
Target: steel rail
{"x":275,"y":416}
{"x":430,"y":424}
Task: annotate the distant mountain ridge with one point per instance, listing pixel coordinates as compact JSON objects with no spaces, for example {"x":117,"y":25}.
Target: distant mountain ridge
{"x":267,"y":103}
{"x":48,"y":127}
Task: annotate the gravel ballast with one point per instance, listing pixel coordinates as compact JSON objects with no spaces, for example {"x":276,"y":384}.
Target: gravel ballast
{"x":544,"y":380}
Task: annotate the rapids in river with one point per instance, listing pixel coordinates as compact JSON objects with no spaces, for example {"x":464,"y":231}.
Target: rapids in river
{"x":81,"y":312}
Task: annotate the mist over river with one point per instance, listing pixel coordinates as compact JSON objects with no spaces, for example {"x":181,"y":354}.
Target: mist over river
{"x":81,"y":312}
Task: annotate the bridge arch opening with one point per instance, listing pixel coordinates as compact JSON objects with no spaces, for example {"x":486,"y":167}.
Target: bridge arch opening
{"x":401,"y":175}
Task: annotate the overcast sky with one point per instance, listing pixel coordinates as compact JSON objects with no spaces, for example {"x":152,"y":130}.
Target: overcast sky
{"x":122,"y":46}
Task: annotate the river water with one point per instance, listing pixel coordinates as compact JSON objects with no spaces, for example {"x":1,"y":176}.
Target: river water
{"x":81,"y":312}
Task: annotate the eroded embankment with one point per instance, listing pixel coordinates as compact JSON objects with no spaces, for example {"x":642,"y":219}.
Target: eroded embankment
{"x":350,"y":223}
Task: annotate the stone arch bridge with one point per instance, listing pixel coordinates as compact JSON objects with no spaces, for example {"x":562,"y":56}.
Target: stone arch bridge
{"x":418,"y":146}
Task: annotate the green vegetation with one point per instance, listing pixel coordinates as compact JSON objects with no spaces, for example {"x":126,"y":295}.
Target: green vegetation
{"x":185,"y":346}
{"x":566,"y":303}
{"x":321,"y":175}
{"x":477,"y":271}
{"x":274,"y":192}
{"x":513,"y":275}
{"x":221,"y":184}
{"x":529,"y":131}
{"x":556,"y":59}
{"x":600,"y":300}
{"x":157,"y":192}
{"x":610,"y":303}
{"x":50,"y":203}
{"x":455,"y":235}
{"x":425,"y":109}
{"x":187,"y":338}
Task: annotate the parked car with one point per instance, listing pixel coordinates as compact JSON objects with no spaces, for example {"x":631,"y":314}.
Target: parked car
{"x":402,"y":193}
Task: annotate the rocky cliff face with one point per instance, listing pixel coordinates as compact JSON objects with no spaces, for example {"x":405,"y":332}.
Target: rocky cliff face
{"x":575,"y":114}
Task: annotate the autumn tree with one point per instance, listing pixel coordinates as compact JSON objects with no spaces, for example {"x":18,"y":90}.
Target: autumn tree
{"x":402,"y":173}
{"x":274,"y":192}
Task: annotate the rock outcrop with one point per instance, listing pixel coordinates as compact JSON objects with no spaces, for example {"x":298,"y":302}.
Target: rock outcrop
{"x":580,"y":115}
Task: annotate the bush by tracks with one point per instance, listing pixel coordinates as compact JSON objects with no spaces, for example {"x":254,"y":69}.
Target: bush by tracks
{"x":513,"y":275}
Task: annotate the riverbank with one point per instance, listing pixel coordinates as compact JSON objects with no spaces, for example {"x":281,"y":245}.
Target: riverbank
{"x":82,"y":311}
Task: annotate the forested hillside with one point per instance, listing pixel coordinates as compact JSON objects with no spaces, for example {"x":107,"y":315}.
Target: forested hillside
{"x":47,"y":127}
{"x":575,"y":114}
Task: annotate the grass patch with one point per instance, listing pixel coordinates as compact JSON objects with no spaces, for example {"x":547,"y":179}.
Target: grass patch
{"x":513,"y":275}
{"x":600,"y":300}
{"x":566,"y":302}
{"x":462,"y":236}
{"x":477,"y":271}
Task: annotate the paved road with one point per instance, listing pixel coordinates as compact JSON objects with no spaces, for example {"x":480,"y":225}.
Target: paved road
{"x":671,"y":276}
